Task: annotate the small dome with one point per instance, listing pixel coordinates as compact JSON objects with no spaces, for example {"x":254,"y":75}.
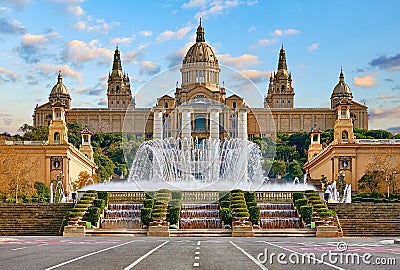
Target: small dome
{"x":200,"y":51}
{"x":342,"y":89}
{"x":59,"y":89}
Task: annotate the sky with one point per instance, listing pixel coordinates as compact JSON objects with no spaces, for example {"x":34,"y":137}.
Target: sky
{"x":40,"y":37}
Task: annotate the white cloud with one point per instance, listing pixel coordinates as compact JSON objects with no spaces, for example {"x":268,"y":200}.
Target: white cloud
{"x":195,"y":4}
{"x":313,"y":47}
{"x":79,"y":51}
{"x":167,"y":35}
{"x":253,"y":74}
{"x":76,"y":10}
{"x":242,"y":61}
{"x":18,"y":3}
{"x":96,"y":25}
{"x":365,"y":81}
{"x":286,"y":32}
{"x":11,"y":75}
{"x":122,"y":40}
{"x":31,"y":40}
{"x":130,"y":57}
{"x":149,"y":67}
{"x":146,"y":33}
{"x":48,"y":69}
{"x":264,"y":43}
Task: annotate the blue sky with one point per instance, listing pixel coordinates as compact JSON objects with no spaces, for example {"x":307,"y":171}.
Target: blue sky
{"x":40,"y":37}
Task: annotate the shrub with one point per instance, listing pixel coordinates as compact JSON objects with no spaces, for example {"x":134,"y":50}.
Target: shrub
{"x":148,"y":203}
{"x":176,"y":195}
{"x":104,"y":195}
{"x":254,"y":212}
{"x":324,"y":214}
{"x":75,"y":214}
{"x":299,"y":203}
{"x":145,"y":215}
{"x":158,"y":215}
{"x":99,"y":203}
{"x":93,"y":214}
{"x":322,"y":210}
{"x":297,"y":196}
{"x":174,"y":203}
{"x":75,"y":209}
{"x":250,"y":196}
{"x":306,"y":213}
{"x":241,"y":214}
{"x":90,"y":191}
{"x":84,"y":201}
{"x":226,"y":215}
{"x":236,"y":210}
{"x":319,"y":205}
{"x":174,"y":214}
{"x":250,"y":204}
{"x":236,"y":191}
{"x":224,"y":204}
{"x":238,"y":205}
{"x":82,"y":205}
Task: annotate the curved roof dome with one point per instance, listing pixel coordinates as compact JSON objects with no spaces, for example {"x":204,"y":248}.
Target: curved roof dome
{"x":341,"y":89}
{"x":200,"y":51}
{"x":59,"y":89}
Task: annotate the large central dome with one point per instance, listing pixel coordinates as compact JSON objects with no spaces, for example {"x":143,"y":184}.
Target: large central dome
{"x":200,"y":51}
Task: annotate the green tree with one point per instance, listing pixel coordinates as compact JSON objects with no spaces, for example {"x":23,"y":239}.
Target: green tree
{"x":106,"y":167}
{"x":369,"y":181}
{"x":295,"y":169}
{"x":31,"y":133}
{"x":278,"y":168}
{"x":301,"y":141}
{"x":74,"y":134}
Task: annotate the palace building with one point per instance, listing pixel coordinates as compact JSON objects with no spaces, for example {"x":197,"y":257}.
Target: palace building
{"x":200,"y":105}
{"x":54,"y":159}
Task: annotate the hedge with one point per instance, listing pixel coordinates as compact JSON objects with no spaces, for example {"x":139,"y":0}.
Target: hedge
{"x":297,"y":196}
{"x":150,"y":195}
{"x":174,"y":214}
{"x":94,"y":214}
{"x":299,"y":203}
{"x":250,"y":196}
{"x":148,"y":203}
{"x":224,"y":204}
{"x":226,"y":215}
{"x":242,"y":214}
{"x":104,"y":195}
{"x":306,"y":213}
{"x":145,"y":215}
{"x":100,"y":203}
{"x":176,"y":195}
{"x":254,"y":212}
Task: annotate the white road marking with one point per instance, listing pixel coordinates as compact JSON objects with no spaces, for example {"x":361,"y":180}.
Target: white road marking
{"x":197,"y":247}
{"x":19,"y":248}
{"x":249,"y":256}
{"x":197,"y":253}
{"x":87,"y":255}
{"x":198,"y":243}
{"x":196,"y":264}
{"x":314,"y":259}
{"x":144,"y":256}
{"x":197,"y":258}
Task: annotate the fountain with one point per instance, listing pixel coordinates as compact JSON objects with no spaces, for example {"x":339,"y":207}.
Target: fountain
{"x":119,"y":216}
{"x":278,"y":216}
{"x":193,"y":164}
{"x":333,"y":193}
{"x":200,"y":216}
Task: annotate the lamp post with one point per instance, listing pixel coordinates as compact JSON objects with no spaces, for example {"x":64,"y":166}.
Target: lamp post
{"x":341,"y":176}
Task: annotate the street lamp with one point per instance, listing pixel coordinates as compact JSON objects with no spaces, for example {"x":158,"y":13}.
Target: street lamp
{"x":341,"y":176}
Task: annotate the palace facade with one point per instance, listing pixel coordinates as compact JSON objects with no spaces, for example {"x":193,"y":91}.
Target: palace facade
{"x":200,"y":106}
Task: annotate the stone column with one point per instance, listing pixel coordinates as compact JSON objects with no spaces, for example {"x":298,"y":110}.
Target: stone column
{"x":186,"y":129}
{"x":214,"y":122}
{"x":157,"y":124}
{"x":242,"y":134}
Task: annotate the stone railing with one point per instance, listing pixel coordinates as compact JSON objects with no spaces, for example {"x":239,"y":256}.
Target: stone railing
{"x":263,"y":196}
{"x":200,"y":196}
{"x":129,"y":196}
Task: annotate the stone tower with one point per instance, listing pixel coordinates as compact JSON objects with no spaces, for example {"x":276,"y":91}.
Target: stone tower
{"x":315,"y":145}
{"x":86,"y":147}
{"x":280,"y":91}
{"x":341,"y":91}
{"x":59,"y":93}
{"x":58,"y":131}
{"x":119,"y":93}
{"x":343,"y":129}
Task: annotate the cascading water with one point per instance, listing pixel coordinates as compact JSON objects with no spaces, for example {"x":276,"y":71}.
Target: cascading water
{"x":278,"y":216}
{"x":200,"y":216}
{"x":197,"y":164}
{"x":122,"y":216}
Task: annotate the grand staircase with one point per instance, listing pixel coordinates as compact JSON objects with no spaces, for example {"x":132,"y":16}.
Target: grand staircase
{"x":32,"y":218}
{"x":368,"y":219}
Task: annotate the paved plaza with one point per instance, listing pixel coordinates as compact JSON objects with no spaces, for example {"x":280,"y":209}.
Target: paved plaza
{"x":198,"y":253}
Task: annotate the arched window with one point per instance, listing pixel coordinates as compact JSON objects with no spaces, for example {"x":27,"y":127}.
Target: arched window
{"x":345,"y":136}
{"x":282,"y":87}
{"x":56,"y":138}
{"x":165,"y":104}
{"x":117,"y":89}
{"x":234,"y":104}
